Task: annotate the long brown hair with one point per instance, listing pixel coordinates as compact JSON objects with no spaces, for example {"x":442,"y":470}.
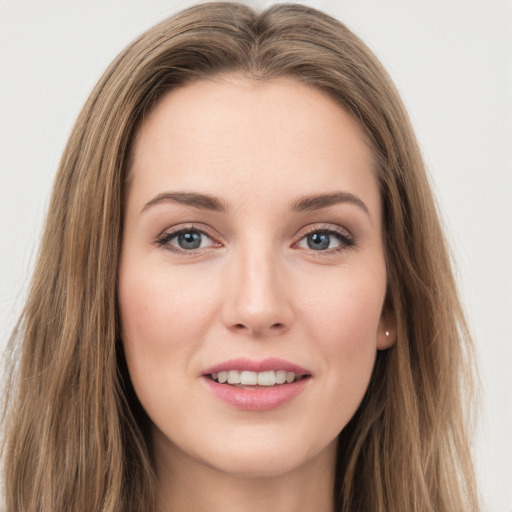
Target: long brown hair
{"x":76,"y":435}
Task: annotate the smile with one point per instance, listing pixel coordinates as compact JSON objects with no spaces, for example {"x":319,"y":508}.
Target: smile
{"x":256,"y":385}
{"x":249,"y":378}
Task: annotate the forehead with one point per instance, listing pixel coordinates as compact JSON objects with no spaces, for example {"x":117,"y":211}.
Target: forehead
{"x":240,"y":137}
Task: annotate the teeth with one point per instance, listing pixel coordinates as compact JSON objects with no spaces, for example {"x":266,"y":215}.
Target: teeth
{"x":281,"y":376}
{"x":247,"y":378}
{"x":266,"y":378}
{"x":233,"y":377}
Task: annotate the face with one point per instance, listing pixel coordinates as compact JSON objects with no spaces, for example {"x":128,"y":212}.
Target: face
{"x":252,"y":252}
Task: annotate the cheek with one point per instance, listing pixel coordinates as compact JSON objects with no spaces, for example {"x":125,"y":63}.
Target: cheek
{"x":344,"y":320}
{"x":353,"y":326}
{"x":161,"y":311}
{"x":347,"y":310}
{"x":163,"y":320}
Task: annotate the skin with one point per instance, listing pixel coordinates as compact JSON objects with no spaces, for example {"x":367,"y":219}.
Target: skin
{"x":253,"y":289}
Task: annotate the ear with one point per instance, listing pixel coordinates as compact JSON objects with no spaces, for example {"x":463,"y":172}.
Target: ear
{"x":386,"y":333}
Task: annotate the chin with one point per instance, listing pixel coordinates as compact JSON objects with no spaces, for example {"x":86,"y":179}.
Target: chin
{"x":268,"y":459}
{"x":257,"y":466}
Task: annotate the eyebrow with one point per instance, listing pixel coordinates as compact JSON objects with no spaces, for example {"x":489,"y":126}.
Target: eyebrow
{"x":319,"y":201}
{"x":201,"y":201}
{"x":212,"y":203}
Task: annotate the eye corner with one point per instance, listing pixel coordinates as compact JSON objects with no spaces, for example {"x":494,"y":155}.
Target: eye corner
{"x":189,"y":240}
{"x":318,"y":240}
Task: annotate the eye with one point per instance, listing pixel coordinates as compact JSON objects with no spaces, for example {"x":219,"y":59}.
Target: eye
{"x":325,"y":240}
{"x":188,"y":239}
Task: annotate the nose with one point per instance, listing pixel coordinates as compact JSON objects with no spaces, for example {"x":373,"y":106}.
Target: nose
{"x":257,"y":300}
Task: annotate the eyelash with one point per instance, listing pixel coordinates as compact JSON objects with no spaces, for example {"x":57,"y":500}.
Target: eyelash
{"x":346,"y":240}
{"x":344,"y":237}
{"x":164,"y":239}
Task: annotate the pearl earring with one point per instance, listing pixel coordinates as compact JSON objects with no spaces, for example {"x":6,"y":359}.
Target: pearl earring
{"x":387,"y":333}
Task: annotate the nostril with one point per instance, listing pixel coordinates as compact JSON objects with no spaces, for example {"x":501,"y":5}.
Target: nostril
{"x":278,"y":326}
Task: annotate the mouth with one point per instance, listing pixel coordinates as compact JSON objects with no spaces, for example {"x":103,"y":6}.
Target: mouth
{"x":251,"y":379}
{"x":256,"y":385}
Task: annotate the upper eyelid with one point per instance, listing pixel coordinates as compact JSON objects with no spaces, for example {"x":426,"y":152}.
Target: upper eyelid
{"x":169,"y":233}
{"x":176,"y":230}
{"x":344,"y":236}
{"x":325,"y":228}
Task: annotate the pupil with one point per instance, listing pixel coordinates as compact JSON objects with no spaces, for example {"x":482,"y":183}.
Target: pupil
{"x":189,"y":240}
{"x":318,"y":241}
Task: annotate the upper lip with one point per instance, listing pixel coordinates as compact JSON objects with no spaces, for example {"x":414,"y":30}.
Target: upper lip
{"x":265,"y":365}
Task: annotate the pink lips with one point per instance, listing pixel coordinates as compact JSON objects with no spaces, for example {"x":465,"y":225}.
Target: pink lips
{"x":271,"y":363}
{"x":258,"y":398}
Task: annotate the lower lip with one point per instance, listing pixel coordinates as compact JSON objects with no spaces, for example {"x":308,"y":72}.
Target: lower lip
{"x":257,"y":399}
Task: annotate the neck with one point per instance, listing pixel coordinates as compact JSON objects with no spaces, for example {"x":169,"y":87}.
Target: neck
{"x":186,"y":484}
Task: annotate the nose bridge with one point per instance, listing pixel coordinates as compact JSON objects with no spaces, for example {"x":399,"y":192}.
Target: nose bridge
{"x":258,"y":302}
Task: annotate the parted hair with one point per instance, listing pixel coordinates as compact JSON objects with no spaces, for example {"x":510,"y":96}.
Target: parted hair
{"x":75,"y":436}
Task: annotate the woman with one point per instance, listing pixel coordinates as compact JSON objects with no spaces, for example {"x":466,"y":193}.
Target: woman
{"x":243,"y":297}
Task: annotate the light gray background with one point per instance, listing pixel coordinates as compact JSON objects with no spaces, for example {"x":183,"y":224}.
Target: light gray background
{"x":452,"y":62}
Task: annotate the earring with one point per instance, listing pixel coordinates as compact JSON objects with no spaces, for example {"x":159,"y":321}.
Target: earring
{"x":387,"y":333}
